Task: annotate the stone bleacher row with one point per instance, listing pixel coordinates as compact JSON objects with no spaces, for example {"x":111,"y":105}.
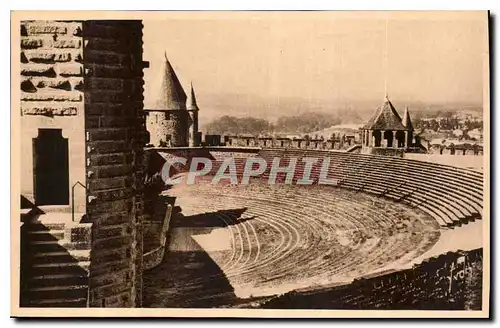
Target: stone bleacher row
{"x":293,"y":234}
{"x":451,"y":195}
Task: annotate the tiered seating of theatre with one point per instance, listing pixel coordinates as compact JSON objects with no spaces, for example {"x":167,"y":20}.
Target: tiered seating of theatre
{"x":291,"y":234}
{"x":425,"y":287}
{"x":451,"y":195}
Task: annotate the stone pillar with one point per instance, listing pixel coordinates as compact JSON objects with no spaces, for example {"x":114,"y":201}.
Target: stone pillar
{"x":371,"y":142}
{"x":406,"y":142}
{"x":394,"y":140}
{"x":382,"y":142}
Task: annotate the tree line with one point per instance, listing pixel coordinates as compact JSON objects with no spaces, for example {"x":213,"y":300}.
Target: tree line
{"x":303,"y":123}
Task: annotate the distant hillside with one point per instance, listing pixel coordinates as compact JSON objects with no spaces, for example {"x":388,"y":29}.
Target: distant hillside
{"x":270,"y":109}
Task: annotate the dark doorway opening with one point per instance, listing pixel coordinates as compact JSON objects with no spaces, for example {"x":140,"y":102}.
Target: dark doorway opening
{"x":51,"y":169}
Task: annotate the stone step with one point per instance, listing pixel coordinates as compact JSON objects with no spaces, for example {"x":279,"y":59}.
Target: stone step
{"x":43,"y":269}
{"x":43,"y":235}
{"x":37,"y":226}
{"x":58,"y":280}
{"x":63,"y":292}
{"x":61,"y":256}
{"x":52,"y":303}
{"x":60,"y":276}
{"x":60,"y":245}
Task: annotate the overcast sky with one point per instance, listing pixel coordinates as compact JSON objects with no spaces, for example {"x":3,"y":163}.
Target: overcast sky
{"x":431,"y":57}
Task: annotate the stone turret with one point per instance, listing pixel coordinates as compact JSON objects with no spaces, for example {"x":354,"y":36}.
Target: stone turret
{"x":409,"y":127}
{"x":192,"y":107}
{"x":168,"y":121}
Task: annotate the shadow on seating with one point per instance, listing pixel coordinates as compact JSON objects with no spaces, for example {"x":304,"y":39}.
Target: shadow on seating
{"x":190,"y":277}
{"x":218,"y":219}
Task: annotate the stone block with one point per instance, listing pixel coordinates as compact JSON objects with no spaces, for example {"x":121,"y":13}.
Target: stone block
{"x":38,"y":70}
{"x":122,"y":300}
{"x":56,"y":83}
{"x":62,"y":57}
{"x":111,"y":290}
{"x":114,"y":242}
{"x":111,"y":195}
{"x":31,"y":43}
{"x":114,"y":171}
{"x":109,"y":134}
{"x":106,"y":257}
{"x":102,"y":147}
{"x":64,"y":43}
{"x":80,"y":234}
{"x":108,"y":96}
{"x":109,"y":71}
{"x":96,"y":30}
{"x":24,"y":59}
{"x":27,"y":86}
{"x":110,"y":279}
{"x":71,"y":70}
{"x":107,"y":232}
{"x":104,"y":109}
{"x":103,"y":57}
{"x":93,"y":43}
{"x":45,"y":27}
{"x":114,"y":218}
{"x":40,"y":56}
{"x":109,"y":159}
{"x":48,"y":109}
{"x":109,"y":122}
{"x":110,"y":183}
{"x":96,"y":83}
{"x":110,"y":268}
{"x":52,"y":96}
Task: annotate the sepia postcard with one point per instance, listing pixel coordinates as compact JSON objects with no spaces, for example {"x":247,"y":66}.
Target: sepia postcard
{"x":265,"y":164}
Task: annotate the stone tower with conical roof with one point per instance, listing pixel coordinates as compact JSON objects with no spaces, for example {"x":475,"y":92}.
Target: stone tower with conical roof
{"x":192,"y":108}
{"x":168,"y":121}
{"x":386,"y":132}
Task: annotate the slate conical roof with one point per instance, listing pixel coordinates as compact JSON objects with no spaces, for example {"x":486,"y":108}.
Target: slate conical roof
{"x":171,"y":95}
{"x":407,"y":120}
{"x":386,"y":118}
{"x":191,"y":104}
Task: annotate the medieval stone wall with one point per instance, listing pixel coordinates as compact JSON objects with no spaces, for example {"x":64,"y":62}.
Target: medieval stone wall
{"x":115,"y":135}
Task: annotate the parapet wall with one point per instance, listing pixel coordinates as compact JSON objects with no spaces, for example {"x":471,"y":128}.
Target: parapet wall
{"x":451,"y":281}
{"x":155,"y":234}
{"x":339,"y":143}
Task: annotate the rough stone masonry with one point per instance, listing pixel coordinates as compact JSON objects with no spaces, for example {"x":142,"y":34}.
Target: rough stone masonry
{"x":86,"y":78}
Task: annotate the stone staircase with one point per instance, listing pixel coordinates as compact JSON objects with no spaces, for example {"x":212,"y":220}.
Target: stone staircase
{"x":55,"y":259}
